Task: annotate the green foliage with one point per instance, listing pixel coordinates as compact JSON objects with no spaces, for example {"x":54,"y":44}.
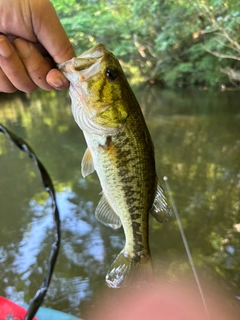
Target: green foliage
{"x":179,"y":43}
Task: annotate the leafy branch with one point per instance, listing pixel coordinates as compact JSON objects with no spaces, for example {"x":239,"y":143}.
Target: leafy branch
{"x":228,"y":42}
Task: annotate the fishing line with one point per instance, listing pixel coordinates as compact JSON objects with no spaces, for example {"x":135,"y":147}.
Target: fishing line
{"x":48,"y":185}
{"x":186,"y":247}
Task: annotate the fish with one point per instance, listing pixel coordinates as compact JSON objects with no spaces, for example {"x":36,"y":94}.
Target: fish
{"x":121,"y":151}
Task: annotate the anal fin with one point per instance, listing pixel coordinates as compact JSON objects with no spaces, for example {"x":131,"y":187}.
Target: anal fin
{"x":105,"y":214}
{"x":161,"y":209}
{"x":87,"y":165}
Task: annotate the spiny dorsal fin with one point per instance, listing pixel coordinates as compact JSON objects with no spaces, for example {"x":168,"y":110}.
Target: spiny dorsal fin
{"x":105,"y":214}
{"x":161,"y":209}
{"x":87,"y":163}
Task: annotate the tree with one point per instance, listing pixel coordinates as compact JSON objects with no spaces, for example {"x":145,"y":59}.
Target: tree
{"x":222,"y":24}
{"x":178,"y":43}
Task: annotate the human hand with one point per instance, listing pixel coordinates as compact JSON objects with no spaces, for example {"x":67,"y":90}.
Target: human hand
{"x":164,"y":300}
{"x":30,"y":32}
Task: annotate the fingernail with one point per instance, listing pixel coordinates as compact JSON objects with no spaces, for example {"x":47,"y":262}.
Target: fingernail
{"x":5,"y":48}
{"x":57,"y":82}
{"x":23,"y":47}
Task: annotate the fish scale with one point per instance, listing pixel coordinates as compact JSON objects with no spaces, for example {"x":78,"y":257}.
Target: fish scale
{"x":129,"y":201}
{"x":121,"y":151}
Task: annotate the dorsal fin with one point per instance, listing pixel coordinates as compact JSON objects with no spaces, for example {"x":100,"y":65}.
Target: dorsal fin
{"x":161,"y":209}
{"x":87,"y":163}
{"x":105,"y":214}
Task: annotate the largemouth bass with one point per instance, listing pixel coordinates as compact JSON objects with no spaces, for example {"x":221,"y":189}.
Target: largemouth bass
{"x":121,"y":151}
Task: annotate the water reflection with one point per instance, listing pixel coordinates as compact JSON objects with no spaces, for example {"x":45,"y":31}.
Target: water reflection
{"x":197,"y":145}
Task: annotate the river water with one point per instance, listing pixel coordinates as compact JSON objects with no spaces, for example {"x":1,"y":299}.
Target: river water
{"x":197,"y":145}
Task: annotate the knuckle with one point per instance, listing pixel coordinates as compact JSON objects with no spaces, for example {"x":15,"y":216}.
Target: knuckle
{"x":38,"y":70}
{"x":34,"y":68}
{"x":5,"y":84}
{"x":31,"y":89}
{"x":7,"y":87}
{"x":11,"y":90}
{"x":12,"y":83}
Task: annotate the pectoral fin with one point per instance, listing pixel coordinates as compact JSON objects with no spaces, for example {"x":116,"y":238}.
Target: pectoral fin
{"x":87,"y":163}
{"x":161,"y":209}
{"x":105,"y":214}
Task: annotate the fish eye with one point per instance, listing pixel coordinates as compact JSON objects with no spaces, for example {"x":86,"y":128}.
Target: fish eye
{"x":111,"y":73}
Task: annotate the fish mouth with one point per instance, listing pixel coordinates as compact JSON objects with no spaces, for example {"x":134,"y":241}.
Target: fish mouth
{"x":84,"y":61}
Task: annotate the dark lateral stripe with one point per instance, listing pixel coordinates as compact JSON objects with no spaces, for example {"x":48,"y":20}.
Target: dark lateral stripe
{"x":135,"y":216}
{"x":135,"y":166}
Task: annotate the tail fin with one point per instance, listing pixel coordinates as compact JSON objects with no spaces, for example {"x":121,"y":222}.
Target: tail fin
{"x":125,"y":271}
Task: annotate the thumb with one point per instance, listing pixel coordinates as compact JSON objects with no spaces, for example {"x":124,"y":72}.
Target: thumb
{"x":49,"y":31}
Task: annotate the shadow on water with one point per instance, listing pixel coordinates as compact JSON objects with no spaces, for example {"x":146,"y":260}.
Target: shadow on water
{"x":197,"y":145}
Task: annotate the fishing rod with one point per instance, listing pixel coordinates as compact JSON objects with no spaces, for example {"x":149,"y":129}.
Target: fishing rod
{"x":186,"y":246}
{"x":36,"y":302}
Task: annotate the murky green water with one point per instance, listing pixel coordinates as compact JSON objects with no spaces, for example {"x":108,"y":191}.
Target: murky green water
{"x":197,"y":141}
